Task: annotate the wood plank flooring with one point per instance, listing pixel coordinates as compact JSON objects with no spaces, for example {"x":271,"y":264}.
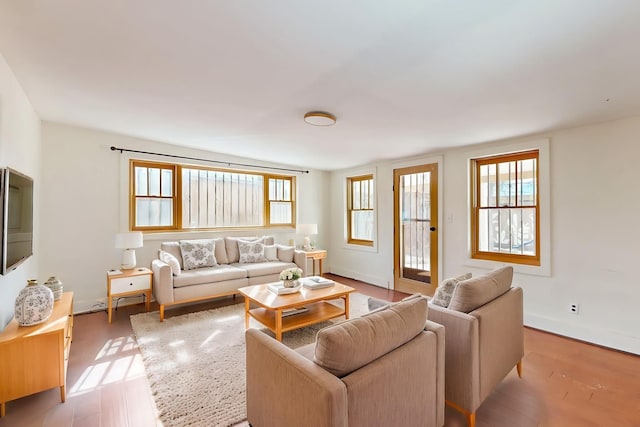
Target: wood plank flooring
{"x":566,"y":383}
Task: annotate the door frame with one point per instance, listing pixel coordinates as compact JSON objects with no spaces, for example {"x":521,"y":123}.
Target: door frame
{"x":406,"y":285}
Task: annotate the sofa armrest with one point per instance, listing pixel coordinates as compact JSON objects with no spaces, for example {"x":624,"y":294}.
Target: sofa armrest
{"x":286,"y":389}
{"x":162,"y":282}
{"x":462,"y":364}
{"x":300,"y":258}
{"x":439,"y":330}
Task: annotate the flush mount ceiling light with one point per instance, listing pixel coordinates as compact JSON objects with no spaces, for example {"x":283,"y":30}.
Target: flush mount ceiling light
{"x":319,"y":118}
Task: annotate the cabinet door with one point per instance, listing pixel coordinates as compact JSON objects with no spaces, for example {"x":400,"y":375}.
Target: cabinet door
{"x":36,"y":365}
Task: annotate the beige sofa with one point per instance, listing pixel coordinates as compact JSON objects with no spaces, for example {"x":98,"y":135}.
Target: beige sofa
{"x":173,"y":284}
{"x":484,"y":338}
{"x":383,"y":369}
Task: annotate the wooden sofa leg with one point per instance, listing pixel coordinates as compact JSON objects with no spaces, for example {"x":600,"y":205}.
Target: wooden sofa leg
{"x":519,"y":368}
{"x":162,"y":312}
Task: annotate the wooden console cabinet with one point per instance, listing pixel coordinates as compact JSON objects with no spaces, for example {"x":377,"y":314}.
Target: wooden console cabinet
{"x":34,"y":358}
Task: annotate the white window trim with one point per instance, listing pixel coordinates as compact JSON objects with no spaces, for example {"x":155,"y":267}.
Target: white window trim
{"x":544,"y":184}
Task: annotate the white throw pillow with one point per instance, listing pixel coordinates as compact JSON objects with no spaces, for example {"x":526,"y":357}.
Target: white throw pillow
{"x":172,"y":261}
{"x":251,"y":252}
{"x":198,"y":253}
{"x":271,"y":252}
{"x":442,"y":296}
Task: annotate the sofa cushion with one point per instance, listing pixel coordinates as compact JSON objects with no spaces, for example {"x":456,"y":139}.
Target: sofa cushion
{"x":231,"y":245}
{"x":271,"y":252}
{"x":442,"y":296}
{"x":347,"y":346}
{"x":171,"y":260}
{"x":215,"y":274}
{"x":221,"y":251}
{"x":473,"y":293}
{"x":251,"y":252}
{"x":174,"y":249}
{"x":197,"y":253}
{"x":264,"y":268}
{"x":286,"y":253}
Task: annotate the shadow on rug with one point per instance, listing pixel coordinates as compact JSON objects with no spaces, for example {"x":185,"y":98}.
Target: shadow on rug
{"x":195,"y":363}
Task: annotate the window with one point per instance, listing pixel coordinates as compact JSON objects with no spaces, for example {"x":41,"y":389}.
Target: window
{"x":505,"y":204}
{"x":177,"y":197}
{"x":152,"y":204}
{"x":360,"y":210}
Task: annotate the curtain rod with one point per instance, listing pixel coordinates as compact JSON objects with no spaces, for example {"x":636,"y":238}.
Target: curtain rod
{"x":121,"y":150}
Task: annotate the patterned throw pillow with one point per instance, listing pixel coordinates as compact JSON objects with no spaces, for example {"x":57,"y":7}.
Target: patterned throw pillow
{"x":198,"y":253}
{"x":172,"y":261}
{"x":443,"y":294}
{"x":251,"y":252}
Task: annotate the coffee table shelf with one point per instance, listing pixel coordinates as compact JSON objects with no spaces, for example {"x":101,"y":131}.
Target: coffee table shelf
{"x":267,"y":308}
{"x":318,"y":312}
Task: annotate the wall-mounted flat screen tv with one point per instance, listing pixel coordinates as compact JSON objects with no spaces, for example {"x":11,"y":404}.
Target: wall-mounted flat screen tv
{"x":16,"y":193}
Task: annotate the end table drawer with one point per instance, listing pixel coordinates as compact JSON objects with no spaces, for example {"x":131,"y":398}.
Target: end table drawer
{"x":129,"y":284}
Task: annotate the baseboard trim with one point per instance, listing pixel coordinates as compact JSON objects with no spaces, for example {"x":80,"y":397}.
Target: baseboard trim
{"x":597,"y":336}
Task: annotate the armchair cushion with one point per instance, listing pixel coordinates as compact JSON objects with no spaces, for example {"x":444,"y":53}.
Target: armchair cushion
{"x":347,"y":346}
{"x":442,"y":296}
{"x":473,"y":293}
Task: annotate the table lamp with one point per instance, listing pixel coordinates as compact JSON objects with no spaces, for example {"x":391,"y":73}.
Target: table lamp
{"x":306,"y":230}
{"x":128,"y":242}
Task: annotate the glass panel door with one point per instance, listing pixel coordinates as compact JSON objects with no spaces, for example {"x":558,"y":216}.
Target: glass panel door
{"x":416,"y":232}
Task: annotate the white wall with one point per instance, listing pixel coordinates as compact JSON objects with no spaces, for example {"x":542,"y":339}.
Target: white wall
{"x":20,"y":150}
{"x":84,"y":205}
{"x":595,"y":202}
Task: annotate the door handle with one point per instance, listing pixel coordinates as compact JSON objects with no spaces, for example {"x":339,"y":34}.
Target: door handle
{"x":432,"y":228}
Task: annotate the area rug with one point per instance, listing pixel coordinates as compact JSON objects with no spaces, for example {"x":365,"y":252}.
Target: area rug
{"x":196,"y":362}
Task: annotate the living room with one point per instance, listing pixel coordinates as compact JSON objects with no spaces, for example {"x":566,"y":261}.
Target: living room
{"x":81,"y":203}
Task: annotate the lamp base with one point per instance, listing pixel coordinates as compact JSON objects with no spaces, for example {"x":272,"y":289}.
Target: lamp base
{"x":128,"y":259}
{"x":306,"y":244}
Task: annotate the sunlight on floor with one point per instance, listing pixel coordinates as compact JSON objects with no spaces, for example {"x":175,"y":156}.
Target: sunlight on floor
{"x":117,"y":361}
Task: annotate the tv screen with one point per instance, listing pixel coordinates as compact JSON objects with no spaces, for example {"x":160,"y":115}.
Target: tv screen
{"x":17,"y":219}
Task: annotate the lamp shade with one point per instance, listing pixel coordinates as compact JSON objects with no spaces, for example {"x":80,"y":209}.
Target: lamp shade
{"x":307,"y":229}
{"x":129,"y":240}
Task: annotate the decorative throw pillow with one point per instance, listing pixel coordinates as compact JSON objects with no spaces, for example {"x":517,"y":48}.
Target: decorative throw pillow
{"x":285,"y":253}
{"x":271,"y":252}
{"x":442,"y":296}
{"x":172,"y":261}
{"x":198,"y":253}
{"x":251,"y":252}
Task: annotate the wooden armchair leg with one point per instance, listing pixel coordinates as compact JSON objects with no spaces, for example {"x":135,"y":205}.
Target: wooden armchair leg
{"x":519,"y":368}
{"x":471,"y":419}
{"x":470,"y":416}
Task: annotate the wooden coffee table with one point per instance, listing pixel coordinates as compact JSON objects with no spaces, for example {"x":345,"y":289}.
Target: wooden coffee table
{"x":271,"y":306}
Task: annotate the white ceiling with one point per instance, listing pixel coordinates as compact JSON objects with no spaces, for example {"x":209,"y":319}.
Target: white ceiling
{"x":402,"y":77}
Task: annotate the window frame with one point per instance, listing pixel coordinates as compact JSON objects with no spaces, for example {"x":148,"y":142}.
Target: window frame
{"x":177,"y":169}
{"x":475,"y":164}
{"x":350,"y":210}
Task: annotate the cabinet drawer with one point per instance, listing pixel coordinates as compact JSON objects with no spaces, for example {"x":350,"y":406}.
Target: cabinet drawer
{"x":129,"y":284}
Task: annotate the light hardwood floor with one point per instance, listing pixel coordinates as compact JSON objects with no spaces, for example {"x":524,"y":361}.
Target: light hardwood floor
{"x":565,"y":382}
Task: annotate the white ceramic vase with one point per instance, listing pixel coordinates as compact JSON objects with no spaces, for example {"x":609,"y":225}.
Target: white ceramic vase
{"x":34,"y":304}
{"x":290,"y":283}
{"x":56,"y":287}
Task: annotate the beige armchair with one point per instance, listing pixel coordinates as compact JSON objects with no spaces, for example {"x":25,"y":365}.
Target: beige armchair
{"x":383,"y":369}
{"x":484,"y":338}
